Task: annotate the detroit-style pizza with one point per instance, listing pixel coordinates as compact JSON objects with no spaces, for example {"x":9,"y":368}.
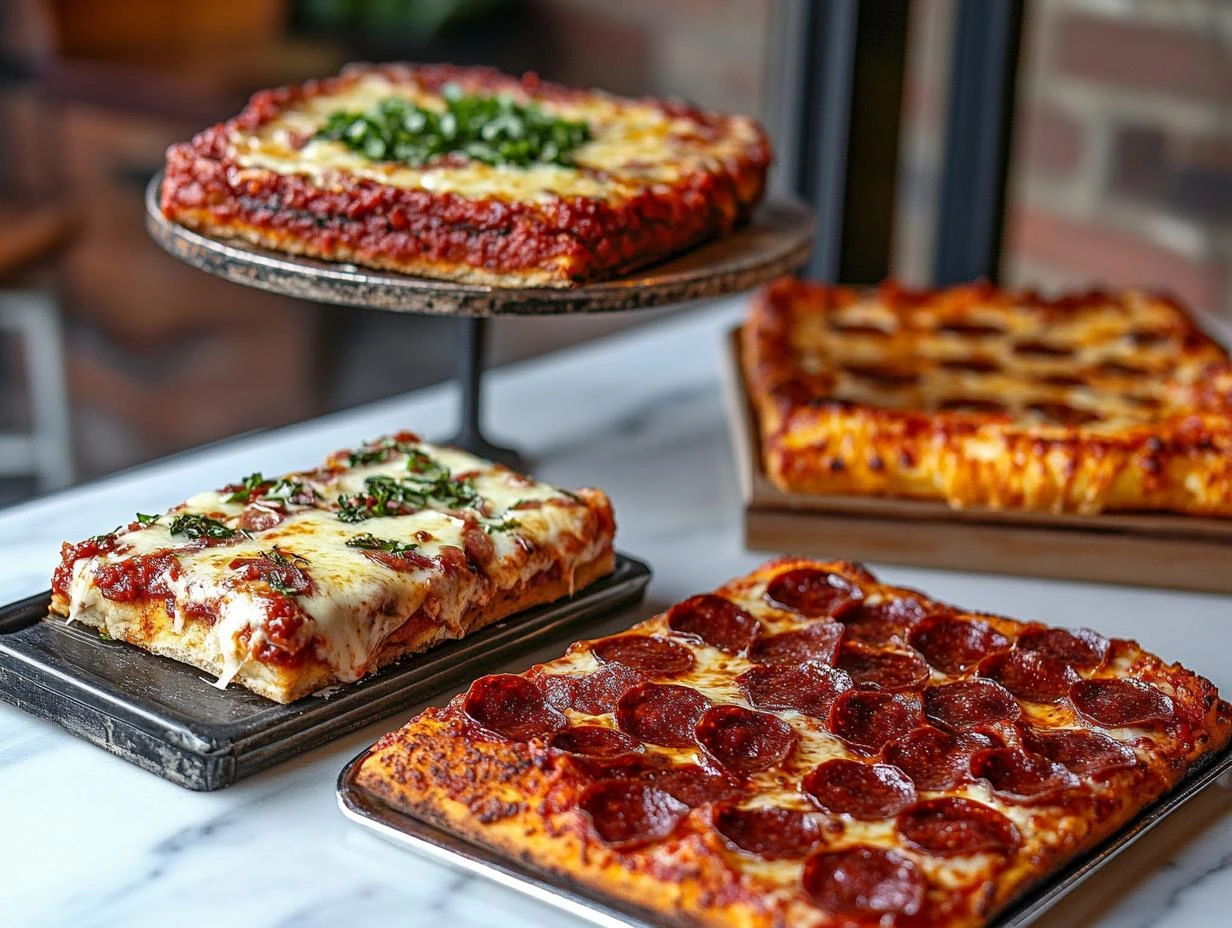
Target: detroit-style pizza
{"x":807,"y":746}
{"x":290,"y":584}
{"x":468,"y":174}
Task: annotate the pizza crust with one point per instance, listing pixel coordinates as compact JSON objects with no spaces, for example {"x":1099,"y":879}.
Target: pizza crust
{"x":244,"y":179}
{"x":843,"y":410}
{"x":148,"y":625}
{"x":521,"y":798}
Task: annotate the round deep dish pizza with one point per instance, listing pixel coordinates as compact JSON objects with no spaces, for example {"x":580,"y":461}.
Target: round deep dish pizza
{"x":468,"y":174}
{"x":985,"y":397}
{"x":807,"y":746}
{"x":294,"y":583}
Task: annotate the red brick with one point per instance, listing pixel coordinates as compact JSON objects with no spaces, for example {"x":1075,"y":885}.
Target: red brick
{"x":1144,"y":57}
{"x":1191,"y":177}
{"x":1050,"y":140}
{"x":1113,"y":257}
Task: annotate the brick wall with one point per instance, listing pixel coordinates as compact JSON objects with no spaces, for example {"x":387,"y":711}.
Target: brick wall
{"x":1122,"y":170}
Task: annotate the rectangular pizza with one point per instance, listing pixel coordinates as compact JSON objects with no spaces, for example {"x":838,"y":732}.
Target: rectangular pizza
{"x":980,"y":396}
{"x":807,"y":746}
{"x":290,"y":584}
{"x":468,"y":174}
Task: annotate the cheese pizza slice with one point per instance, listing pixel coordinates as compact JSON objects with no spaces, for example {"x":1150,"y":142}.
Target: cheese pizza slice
{"x":807,"y":746}
{"x":287,"y":585}
{"x":984,"y":397}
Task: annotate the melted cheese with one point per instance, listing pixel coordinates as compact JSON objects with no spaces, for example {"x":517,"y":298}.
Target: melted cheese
{"x":634,"y":146}
{"x":355,"y":602}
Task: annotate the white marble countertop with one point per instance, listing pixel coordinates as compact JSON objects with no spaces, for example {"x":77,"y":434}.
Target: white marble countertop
{"x":90,"y":840}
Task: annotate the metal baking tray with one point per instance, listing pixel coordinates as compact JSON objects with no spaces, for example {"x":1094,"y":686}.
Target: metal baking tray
{"x":165,"y":717}
{"x":592,"y":906}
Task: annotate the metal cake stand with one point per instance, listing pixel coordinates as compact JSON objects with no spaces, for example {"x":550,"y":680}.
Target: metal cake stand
{"x":775,"y":241}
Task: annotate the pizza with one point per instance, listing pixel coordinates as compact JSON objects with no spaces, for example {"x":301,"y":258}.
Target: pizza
{"x":468,"y":174}
{"x":807,"y":746}
{"x":290,"y":584}
{"x":985,"y":397}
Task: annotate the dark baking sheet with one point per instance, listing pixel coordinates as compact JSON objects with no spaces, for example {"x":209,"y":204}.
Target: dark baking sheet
{"x":370,"y":811}
{"x":165,"y":717}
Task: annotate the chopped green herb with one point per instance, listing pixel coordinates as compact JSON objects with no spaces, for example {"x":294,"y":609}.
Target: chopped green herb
{"x":285,"y":489}
{"x":502,"y":525}
{"x":286,"y":558}
{"x":380,"y":452}
{"x":369,"y":542}
{"x":248,"y":486}
{"x":143,"y":519}
{"x":106,"y":537}
{"x":197,"y":526}
{"x":423,"y":467}
{"x":495,"y":130}
{"x":388,"y":496}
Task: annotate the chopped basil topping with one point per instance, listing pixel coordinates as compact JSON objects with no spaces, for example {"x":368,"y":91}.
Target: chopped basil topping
{"x":370,"y":542}
{"x":285,"y":558}
{"x":389,"y":496}
{"x":143,"y":519}
{"x":380,"y":452}
{"x":197,"y":526}
{"x":256,"y":486}
{"x":248,"y":486}
{"x":496,"y":130}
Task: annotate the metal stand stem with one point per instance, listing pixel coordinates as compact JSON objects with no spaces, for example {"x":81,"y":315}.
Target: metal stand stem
{"x":471,"y":349}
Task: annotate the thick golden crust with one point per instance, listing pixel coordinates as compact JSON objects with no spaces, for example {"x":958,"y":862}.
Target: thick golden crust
{"x":983,"y":397}
{"x":292,"y":584}
{"x":522,"y":797}
{"x":148,"y":625}
{"x":656,"y":178}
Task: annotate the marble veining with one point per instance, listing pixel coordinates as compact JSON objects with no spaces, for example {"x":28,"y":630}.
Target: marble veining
{"x":89,"y":840}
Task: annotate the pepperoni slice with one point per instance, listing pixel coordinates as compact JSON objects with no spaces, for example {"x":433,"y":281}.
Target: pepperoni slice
{"x":595,"y":693}
{"x":807,"y":688}
{"x":654,"y":656}
{"x":692,"y":785}
{"x":933,"y":758}
{"x":1029,"y":675}
{"x":1080,"y":647}
{"x":661,"y":713}
{"x":884,"y":623}
{"x":952,"y":827}
{"x":508,"y":705}
{"x":816,"y":642}
{"x":970,"y":704}
{"x":594,"y":741}
{"x":1014,"y":774}
{"x":773,"y":833}
{"x":862,"y":881}
{"x":864,"y":791}
{"x":867,"y":719}
{"x":627,"y":813}
{"x":1086,"y":753}
{"x":718,"y":622}
{"x":1122,"y":703}
{"x":952,"y":645}
{"x":744,"y":741}
{"x":891,"y":671}
{"x":813,"y":592}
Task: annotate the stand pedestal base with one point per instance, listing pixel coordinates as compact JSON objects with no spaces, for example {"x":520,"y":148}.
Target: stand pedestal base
{"x":471,"y":352}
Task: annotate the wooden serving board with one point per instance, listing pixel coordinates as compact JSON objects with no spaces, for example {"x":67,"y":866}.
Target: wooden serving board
{"x":1143,"y":549}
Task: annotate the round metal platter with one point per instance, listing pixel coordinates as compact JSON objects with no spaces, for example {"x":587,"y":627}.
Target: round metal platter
{"x":775,"y":241}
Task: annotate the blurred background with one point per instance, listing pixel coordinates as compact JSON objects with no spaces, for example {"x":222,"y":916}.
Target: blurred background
{"x":1118,"y":170}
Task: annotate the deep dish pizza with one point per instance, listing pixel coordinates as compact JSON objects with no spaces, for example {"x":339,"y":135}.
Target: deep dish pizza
{"x":987,"y":397}
{"x":809,"y":747}
{"x":290,"y":584}
{"x":469,"y":174}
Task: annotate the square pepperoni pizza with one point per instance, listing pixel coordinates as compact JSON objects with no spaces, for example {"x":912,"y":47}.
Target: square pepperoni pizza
{"x":807,"y":746}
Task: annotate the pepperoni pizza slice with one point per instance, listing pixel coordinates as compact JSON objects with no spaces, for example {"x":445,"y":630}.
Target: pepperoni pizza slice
{"x":807,"y":746}
{"x":291,"y":584}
